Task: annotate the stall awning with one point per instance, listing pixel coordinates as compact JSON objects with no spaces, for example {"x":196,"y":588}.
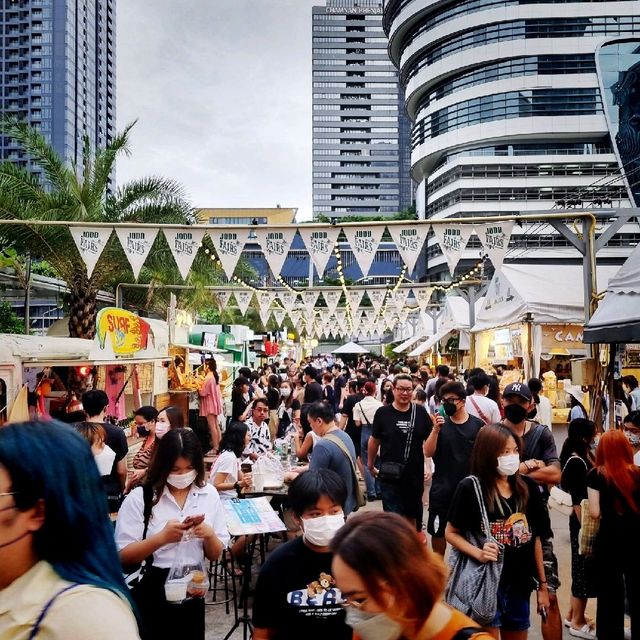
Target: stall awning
{"x":617,"y":318}
{"x":547,"y":294}
{"x":403,"y":346}
{"x":427,"y":344}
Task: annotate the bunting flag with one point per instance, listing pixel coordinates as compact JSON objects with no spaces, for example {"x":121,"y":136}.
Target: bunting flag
{"x":309,"y":299}
{"x":229,"y":245}
{"x":279,"y":315}
{"x":184,"y":245}
{"x":90,"y":242}
{"x":275,"y":243}
{"x":265,"y":299}
{"x":320,"y":244}
{"x":403,"y":315}
{"x":409,"y":242}
{"x":137,"y":243}
{"x":341,"y":317}
{"x":452,"y":240}
{"x":243,"y":298}
{"x":288,"y":300}
{"x":264,"y":314}
{"x":354,"y":297}
{"x":376,"y":297}
{"x":331,"y":299}
{"x":295,"y":316}
{"x":422,"y":296}
{"x":495,"y":240}
{"x":400,"y":298}
{"x":364,"y":244}
{"x":223,"y":299}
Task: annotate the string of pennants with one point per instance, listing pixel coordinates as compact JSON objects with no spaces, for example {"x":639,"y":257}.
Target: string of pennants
{"x":276,"y":242}
{"x":331,"y":320}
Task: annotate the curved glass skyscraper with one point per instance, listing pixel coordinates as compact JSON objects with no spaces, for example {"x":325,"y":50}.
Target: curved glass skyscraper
{"x":517,"y":106}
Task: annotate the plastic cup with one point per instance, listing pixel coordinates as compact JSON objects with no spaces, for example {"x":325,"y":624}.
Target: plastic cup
{"x":258,"y":481}
{"x":175,"y":591}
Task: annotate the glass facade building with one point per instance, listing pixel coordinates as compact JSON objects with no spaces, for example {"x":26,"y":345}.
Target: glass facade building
{"x":58,"y":72}
{"x":520,"y":106}
{"x":361,"y":135}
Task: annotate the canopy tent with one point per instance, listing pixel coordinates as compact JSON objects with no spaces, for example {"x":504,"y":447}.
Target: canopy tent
{"x":427,"y":344}
{"x":617,"y":318}
{"x":542,"y":293}
{"x":350,"y":348}
{"x":403,"y":346}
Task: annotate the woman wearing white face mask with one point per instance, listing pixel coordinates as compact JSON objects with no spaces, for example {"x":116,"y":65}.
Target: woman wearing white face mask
{"x":392,"y":584}
{"x":296,"y":595}
{"x":517,"y":519}
{"x":178,"y":501}
{"x":287,"y":410}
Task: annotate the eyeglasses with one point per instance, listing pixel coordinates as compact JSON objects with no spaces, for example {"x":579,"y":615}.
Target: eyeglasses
{"x":404,"y":389}
{"x":451,"y":399}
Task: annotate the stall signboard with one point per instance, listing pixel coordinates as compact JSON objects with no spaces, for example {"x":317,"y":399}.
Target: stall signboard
{"x":561,"y":336}
{"x":128,"y":332}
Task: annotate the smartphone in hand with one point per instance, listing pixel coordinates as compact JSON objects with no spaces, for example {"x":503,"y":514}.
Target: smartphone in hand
{"x":193,"y":521}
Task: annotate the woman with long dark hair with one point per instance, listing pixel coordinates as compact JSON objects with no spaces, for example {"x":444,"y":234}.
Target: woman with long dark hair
{"x":288,"y":411}
{"x":169,"y":418}
{"x":174,"y":502}
{"x":145,"y":419}
{"x":576,"y":461}
{"x":516,"y":516}
{"x":59,"y":572}
{"x":240,"y":400}
{"x":211,"y":402}
{"x":613,"y":488}
{"x":226,"y":474}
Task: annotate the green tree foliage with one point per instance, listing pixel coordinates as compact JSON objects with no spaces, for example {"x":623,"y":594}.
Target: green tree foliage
{"x":9,"y":321}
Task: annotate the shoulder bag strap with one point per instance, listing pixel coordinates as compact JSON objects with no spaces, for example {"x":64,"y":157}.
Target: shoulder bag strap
{"x":343,"y":447}
{"x":479,"y":410}
{"x":530,"y":447}
{"x":407,"y":446}
{"x":36,"y":627}
{"x":483,"y":508}
{"x":364,"y":415}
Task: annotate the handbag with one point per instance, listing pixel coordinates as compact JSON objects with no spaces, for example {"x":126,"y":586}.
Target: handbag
{"x":393,"y":471}
{"x":361,"y":500}
{"x":473,"y":585}
{"x":589,"y":528}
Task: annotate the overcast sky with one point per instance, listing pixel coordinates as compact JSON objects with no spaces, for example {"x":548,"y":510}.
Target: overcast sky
{"x":222,"y":93}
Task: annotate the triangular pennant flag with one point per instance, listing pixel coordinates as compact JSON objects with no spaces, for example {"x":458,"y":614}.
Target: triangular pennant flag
{"x":90,"y":242}
{"x":229,"y":245}
{"x":275,"y":243}
{"x":376,"y":297}
{"x":295,"y":316}
{"x":409,"y":241}
{"x":422,"y":296}
{"x":243,"y":298}
{"x":265,"y":299}
{"x":309,"y":299}
{"x":364,"y":244}
{"x":264,"y":314}
{"x":400,"y":298}
{"x":354,"y":297}
{"x":341,"y":316}
{"x":137,"y":243}
{"x":184,"y":244}
{"x":495,"y":240}
{"x":452,"y":240}
{"x":288,"y":300}
{"x":223,"y":299}
{"x":331,"y":299}
{"x":279,"y":315}
{"x":320,"y":244}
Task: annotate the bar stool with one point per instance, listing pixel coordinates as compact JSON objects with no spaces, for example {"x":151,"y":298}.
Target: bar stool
{"x":220,"y":572}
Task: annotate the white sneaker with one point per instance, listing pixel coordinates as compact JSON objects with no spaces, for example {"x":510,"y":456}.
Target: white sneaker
{"x":584,"y":632}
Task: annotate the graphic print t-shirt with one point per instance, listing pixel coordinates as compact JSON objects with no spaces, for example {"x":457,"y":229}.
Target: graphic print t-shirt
{"x":514,"y":528}
{"x":296,"y":596}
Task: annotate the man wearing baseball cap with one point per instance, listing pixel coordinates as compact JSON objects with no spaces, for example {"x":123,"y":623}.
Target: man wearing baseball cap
{"x":541,"y":463}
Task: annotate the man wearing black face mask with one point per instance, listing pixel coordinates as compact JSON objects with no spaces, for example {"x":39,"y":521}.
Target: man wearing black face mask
{"x":449,"y":444}
{"x":541,"y":463}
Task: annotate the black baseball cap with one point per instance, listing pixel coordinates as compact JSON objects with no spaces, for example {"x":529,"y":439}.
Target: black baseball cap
{"x":518,"y":389}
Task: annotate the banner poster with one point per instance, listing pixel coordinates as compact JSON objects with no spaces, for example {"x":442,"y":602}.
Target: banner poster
{"x":320,"y":244}
{"x":184,"y":244}
{"x":331,"y":299}
{"x":452,"y":240}
{"x":223,"y":299}
{"x":137,"y":243}
{"x":275,"y":245}
{"x":309,"y":299}
{"x":90,"y":242}
{"x":279,"y":315}
{"x":376,"y":297}
{"x":288,"y":300}
{"x":364,"y":244}
{"x":400,"y":298}
{"x":229,"y":245}
{"x":354,"y":297}
{"x":495,"y":240}
{"x":409,"y":241}
{"x":422,"y":296}
{"x":243,"y":298}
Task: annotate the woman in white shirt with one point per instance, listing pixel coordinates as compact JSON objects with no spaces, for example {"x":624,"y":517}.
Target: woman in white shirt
{"x":178,"y":502}
{"x":363,"y":414}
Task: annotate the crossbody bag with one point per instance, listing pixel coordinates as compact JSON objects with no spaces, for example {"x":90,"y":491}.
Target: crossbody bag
{"x":393,"y":471}
{"x":479,"y":410}
{"x":357,"y":491}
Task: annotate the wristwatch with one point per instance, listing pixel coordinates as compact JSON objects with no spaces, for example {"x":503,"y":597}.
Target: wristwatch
{"x":237,"y":486}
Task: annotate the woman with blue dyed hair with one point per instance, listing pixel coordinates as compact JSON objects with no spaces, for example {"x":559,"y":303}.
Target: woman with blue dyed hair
{"x":59,"y":571}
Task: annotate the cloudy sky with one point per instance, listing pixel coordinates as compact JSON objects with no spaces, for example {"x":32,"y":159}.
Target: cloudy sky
{"x":222,"y":93}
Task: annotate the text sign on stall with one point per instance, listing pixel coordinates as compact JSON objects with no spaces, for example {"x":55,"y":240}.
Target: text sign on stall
{"x":561,"y":336}
{"x":129,"y":333}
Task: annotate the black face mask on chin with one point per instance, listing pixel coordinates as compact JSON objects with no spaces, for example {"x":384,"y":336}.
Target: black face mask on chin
{"x":532,"y":414}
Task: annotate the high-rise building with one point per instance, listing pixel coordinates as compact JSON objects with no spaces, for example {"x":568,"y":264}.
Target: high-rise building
{"x":517,"y":106}
{"x":58,"y":72}
{"x":361,"y":137}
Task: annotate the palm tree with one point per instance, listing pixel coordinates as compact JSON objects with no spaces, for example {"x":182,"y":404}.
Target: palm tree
{"x":83,"y":194}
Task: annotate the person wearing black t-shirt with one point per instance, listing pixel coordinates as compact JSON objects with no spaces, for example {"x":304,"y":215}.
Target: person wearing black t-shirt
{"x":449,"y":444}
{"x":296,"y":595}
{"x":312,"y":389}
{"x":399,"y":431}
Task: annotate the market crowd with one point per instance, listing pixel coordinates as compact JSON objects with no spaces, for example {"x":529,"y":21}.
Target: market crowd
{"x":463,"y":466}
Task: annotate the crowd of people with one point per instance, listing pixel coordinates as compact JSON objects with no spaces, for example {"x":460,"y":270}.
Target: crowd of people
{"x":462,"y":466}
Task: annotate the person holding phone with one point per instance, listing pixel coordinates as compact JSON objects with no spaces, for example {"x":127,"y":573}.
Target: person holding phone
{"x":175,"y":500}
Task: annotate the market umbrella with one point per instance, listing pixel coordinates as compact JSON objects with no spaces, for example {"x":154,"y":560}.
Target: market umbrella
{"x":351,"y":348}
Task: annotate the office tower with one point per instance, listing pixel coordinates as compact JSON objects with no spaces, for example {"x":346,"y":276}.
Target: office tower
{"x":361,"y":153}
{"x":58,"y":72}
{"x":520,"y":106}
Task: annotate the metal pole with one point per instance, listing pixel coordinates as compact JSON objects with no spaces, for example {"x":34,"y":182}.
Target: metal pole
{"x":310,"y":285}
{"x":27,"y":296}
